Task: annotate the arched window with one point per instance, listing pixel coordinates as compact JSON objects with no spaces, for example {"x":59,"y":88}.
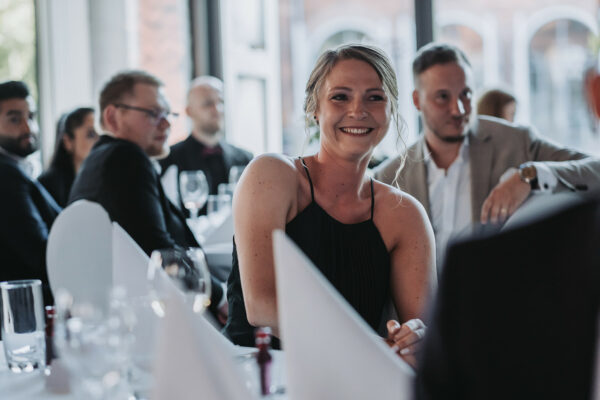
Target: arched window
{"x":469,"y":41}
{"x":557,"y":60}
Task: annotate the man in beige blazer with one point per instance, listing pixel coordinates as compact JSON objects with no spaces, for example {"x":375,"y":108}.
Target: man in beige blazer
{"x":466,"y":169}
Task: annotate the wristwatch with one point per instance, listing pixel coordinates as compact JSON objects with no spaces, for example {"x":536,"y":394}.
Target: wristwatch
{"x":528,"y":174}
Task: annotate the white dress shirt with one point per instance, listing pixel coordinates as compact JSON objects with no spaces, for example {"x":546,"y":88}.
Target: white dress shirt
{"x":449,"y":199}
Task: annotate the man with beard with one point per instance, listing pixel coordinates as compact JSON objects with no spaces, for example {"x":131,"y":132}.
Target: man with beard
{"x":205,"y":149}
{"x":26,"y":209}
{"x":467,"y":169}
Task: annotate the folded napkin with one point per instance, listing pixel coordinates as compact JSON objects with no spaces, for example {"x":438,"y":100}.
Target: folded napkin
{"x":330,"y":352}
{"x":194,"y":360}
{"x":79,"y":253}
{"x":130,"y":263}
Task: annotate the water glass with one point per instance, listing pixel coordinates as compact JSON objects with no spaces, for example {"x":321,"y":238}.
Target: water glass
{"x":23,"y":325}
{"x":194,"y":191}
{"x":188,"y":270}
{"x":235,"y":173}
{"x":226,"y":188}
{"x":217,"y":207}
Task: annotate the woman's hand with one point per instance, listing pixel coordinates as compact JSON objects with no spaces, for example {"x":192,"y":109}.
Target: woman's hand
{"x":406,"y":339}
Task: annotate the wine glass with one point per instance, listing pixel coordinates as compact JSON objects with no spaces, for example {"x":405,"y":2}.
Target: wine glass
{"x":194,"y":191}
{"x":93,"y":344}
{"x":188,"y":269}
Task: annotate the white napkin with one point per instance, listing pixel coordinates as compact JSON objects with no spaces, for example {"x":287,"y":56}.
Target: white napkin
{"x":193,"y":360}
{"x":330,"y":352}
{"x":130,"y":263}
{"x":170,"y":184}
{"x":79,"y":253}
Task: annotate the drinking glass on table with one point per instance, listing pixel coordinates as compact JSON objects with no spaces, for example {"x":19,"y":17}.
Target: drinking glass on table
{"x":93,"y":344}
{"x":187,"y":268}
{"x":23,"y":325}
{"x":235,"y":173}
{"x":216,"y":207}
{"x":194,"y":191}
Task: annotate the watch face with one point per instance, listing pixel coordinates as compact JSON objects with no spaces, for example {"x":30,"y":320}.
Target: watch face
{"x":528,"y":173}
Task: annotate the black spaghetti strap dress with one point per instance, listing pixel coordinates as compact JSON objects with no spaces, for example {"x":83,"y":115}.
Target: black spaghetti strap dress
{"x":353,"y":257}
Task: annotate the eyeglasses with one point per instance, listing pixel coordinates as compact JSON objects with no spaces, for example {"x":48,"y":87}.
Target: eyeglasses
{"x":155,"y":116}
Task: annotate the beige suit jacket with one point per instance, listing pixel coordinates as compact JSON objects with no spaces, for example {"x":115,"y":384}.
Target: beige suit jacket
{"x":495,"y":146}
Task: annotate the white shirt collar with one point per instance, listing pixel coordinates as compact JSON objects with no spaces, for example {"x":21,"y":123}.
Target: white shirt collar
{"x":463,"y":152}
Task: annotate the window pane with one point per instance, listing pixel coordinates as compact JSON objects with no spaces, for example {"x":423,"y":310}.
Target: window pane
{"x":310,"y":26}
{"x":18,"y":42}
{"x":537,"y":50}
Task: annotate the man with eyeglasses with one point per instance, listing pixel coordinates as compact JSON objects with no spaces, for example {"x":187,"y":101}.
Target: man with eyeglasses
{"x":119,"y":174}
{"x":26,"y":209}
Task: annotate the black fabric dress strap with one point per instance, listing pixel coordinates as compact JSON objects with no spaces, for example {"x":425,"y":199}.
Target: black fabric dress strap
{"x":312,"y":191}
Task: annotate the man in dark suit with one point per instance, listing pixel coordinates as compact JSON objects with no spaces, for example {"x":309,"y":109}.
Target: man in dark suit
{"x":26,"y":209}
{"x":119,"y":175}
{"x":517,"y":312}
{"x":205,"y":149}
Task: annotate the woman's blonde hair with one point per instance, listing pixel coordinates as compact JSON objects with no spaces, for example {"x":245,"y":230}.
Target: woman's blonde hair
{"x":373,"y":56}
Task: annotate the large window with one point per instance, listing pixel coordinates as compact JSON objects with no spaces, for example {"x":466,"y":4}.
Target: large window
{"x":310,"y":26}
{"x":557,"y":62}
{"x":18,"y":42}
{"x":536,"y":49}
{"x":18,"y":55}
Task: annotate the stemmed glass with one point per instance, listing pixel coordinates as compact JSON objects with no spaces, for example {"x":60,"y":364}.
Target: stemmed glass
{"x":93,"y":344}
{"x":188,"y":269}
{"x":193,"y":187}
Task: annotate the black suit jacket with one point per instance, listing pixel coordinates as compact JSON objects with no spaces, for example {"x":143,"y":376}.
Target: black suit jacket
{"x":516,"y":314}
{"x":27,"y":212}
{"x":119,"y":176}
{"x":187,"y":155}
{"x":58,"y":182}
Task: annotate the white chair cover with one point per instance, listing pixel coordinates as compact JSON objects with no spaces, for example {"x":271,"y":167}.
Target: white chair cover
{"x":79,"y":253}
{"x":193,"y":359}
{"x":330,"y":352}
{"x":538,"y":206}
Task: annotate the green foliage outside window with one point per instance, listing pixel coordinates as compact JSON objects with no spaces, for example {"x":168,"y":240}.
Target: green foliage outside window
{"x":18,"y":42}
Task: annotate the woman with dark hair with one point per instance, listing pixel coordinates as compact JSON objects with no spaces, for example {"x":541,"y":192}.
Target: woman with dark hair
{"x":75,"y":136}
{"x":497,"y":103}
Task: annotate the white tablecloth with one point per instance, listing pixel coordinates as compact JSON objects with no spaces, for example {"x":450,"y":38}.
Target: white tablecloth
{"x":32,"y":386}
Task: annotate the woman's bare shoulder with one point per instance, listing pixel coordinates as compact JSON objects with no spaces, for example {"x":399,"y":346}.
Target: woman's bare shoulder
{"x":268,"y":177}
{"x":399,"y":204}
{"x":401,"y":218}
{"x":272,"y":166}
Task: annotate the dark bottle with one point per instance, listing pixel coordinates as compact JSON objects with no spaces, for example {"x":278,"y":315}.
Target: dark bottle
{"x":50,"y":317}
{"x":264,"y":358}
